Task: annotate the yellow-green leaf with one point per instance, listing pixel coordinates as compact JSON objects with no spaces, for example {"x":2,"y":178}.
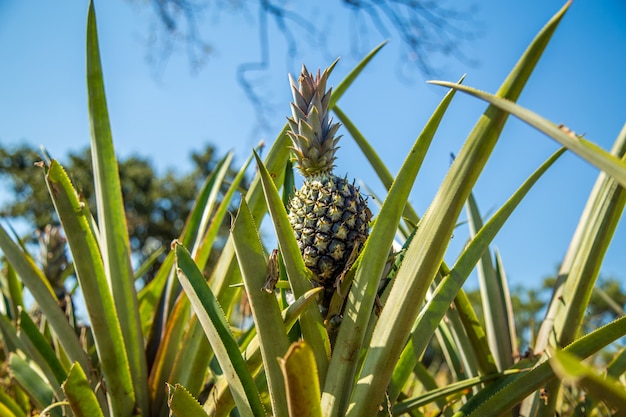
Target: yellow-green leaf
{"x":569,"y":368}
{"x":300,"y":373}
{"x":182,"y":403}
{"x":79,"y":394}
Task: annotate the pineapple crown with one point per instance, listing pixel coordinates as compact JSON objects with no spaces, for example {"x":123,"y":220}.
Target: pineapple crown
{"x":312,"y":132}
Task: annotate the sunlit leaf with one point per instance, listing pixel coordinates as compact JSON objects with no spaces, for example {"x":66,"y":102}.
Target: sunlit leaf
{"x":218,"y":332}
{"x":79,"y":394}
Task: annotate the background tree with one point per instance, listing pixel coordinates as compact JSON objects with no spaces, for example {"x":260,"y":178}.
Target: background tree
{"x":156,"y":204}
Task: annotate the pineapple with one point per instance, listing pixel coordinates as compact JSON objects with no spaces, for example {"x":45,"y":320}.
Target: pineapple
{"x":328,"y":213}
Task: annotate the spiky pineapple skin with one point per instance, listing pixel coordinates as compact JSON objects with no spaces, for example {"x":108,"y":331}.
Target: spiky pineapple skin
{"x":330,"y":218}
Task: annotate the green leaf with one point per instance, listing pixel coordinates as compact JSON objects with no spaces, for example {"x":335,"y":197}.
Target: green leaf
{"x":39,"y":350}
{"x":300,"y":373}
{"x":38,"y":285}
{"x":495,"y":299}
{"x":476,"y":334}
{"x":450,"y":288}
{"x":587,"y":150}
{"x":218,"y":332}
{"x":209,"y":238}
{"x":299,"y":275}
{"x":222,"y":401}
{"x":443,"y":393}
{"x":149,"y":298}
{"x":617,"y":366}
{"x":10,"y":340}
{"x":14,"y":290}
{"x":569,"y":368}
{"x":204,"y":205}
{"x":269,"y":324}
{"x":425,"y":254}
{"x":584,"y":257}
{"x":175,"y":364}
{"x":182,"y":403}
{"x":38,"y":389}
{"x":581,"y":266}
{"x":173,"y":352}
{"x":145,"y":266}
{"x":369,"y":271}
{"x":502,"y":395}
{"x":341,"y":88}
{"x":93,"y":282}
{"x":114,"y":241}
{"x":8,"y":407}
{"x":79,"y":394}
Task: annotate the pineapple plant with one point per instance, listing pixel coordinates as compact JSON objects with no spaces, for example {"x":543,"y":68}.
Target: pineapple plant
{"x":329,"y":215}
{"x":151,"y":357}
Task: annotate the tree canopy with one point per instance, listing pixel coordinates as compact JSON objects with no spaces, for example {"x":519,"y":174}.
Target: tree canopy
{"x":156,"y":204}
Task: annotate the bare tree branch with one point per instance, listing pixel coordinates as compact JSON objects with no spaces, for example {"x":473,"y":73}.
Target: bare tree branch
{"x":428,"y":29}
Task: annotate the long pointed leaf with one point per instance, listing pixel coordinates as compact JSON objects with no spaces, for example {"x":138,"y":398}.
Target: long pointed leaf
{"x":444,"y":392}
{"x":98,"y":299}
{"x":218,"y":332}
{"x":171,"y":348}
{"x":300,"y":375}
{"x":114,"y":243}
{"x":580,"y":268}
{"x":504,"y":394}
{"x":568,"y":368}
{"x":337,"y":387}
{"x":209,"y":238}
{"x":80,"y":395}
{"x":9,"y":407}
{"x":39,"y":350}
{"x":39,"y":287}
{"x":15,"y":289}
{"x":425,"y":254}
{"x":172,"y":365}
{"x":494,"y":302}
{"x":269,"y":324}
{"x":222,"y":402}
{"x":29,"y":379}
{"x":182,"y":403}
{"x":587,"y":150}
{"x":311,"y":321}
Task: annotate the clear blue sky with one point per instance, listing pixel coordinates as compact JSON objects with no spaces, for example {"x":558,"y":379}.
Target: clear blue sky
{"x":164,"y":114}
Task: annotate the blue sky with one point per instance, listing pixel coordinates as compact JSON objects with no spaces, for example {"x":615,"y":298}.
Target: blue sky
{"x":165,"y":112}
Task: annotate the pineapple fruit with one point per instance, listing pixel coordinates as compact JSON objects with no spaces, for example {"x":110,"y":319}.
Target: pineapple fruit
{"x":328,"y":213}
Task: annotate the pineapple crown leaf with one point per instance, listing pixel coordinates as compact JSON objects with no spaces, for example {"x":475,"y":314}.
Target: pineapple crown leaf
{"x":312,"y":130}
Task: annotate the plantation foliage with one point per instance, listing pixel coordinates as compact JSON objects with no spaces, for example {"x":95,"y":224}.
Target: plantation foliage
{"x":227,"y":326}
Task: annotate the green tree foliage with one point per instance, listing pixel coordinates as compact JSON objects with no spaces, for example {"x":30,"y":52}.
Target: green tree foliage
{"x":156,"y":204}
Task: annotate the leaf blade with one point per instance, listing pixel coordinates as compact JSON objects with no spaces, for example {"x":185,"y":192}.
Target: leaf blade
{"x":425,"y":254}
{"x":300,"y":373}
{"x":79,"y":394}
{"x":93,"y":282}
{"x":218,"y":332}
{"x":267,"y":317}
{"x":115,"y":243}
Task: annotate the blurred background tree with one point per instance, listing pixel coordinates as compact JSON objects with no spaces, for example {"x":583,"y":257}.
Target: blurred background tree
{"x":156,"y":204}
